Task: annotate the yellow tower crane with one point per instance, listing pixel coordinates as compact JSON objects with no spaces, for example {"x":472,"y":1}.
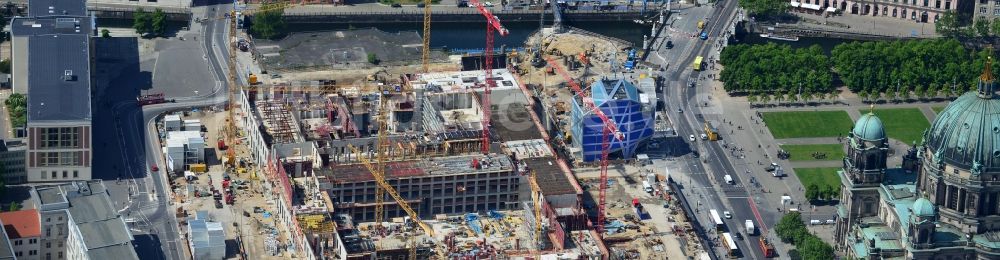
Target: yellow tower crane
{"x":536,"y":197}
{"x":231,"y":130}
{"x":426,"y":55}
{"x":378,"y":172}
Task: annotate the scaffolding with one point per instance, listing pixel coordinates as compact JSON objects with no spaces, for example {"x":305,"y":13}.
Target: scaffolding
{"x":278,"y":121}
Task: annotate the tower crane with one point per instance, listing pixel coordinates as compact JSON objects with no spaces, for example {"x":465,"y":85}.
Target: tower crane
{"x":426,"y":54}
{"x":609,"y":128}
{"x":492,"y":24}
{"x":234,"y":84}
{"x":536,"y":194}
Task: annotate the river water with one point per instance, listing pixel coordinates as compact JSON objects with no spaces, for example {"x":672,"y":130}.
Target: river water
{"x":473,"y":36}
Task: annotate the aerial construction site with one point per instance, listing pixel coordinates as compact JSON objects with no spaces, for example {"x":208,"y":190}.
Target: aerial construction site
{"x":443,"y":156}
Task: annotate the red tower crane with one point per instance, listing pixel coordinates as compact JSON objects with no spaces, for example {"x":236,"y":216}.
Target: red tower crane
{"x":609,"y":128}
{"x":492,"y":24}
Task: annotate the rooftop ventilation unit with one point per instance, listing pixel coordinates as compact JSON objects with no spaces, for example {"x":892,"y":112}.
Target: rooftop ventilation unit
{"x":68,"y":75}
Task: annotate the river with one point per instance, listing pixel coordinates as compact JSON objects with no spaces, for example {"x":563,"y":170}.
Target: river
{"x":466,"y":36}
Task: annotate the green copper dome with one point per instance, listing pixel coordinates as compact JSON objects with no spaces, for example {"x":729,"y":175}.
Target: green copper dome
{"x":967,"y":133}
{"x":869,"y":127}
{"x":924,"y":208}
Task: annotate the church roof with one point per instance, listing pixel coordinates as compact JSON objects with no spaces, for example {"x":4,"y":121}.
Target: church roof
{"x":869,"y":127}
{"x":924,"y":208}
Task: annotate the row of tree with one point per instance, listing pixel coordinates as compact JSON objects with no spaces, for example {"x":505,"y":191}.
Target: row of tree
{"x":814,"y":192}
{"x":791,"y":229}
{"x":154,"y":23}
{"x":873,"y":70}
{"x":901,"y":66}
{"x":765,"y":8}
{"x":269,"y":22}
{"x":775,"y":69}
{"x":950,"y":25}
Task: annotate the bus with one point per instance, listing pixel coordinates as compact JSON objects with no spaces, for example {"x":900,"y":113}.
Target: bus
{"x":731,"y":250}
{"x":697,"y":63}
{"x":711,"y":133}
{"x":719,"y":226}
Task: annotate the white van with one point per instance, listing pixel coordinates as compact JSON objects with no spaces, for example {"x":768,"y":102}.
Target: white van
{"x":647,"y":187}
{"x":729,"y":179}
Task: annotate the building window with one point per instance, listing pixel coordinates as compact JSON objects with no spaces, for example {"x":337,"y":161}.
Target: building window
{"x":60,"y":255}
{"x":33,"y":252}
{"x":947,"y":5}
{"x":48,"y":244}
{"x":982,"y":10}
{"x":18,"y":242}
{"x":45,"y":175}
{"x":60,"y":137}
{"x":48,"y":256}
{"x":937,"y":4}
{"x":65,"y":174}
{"x":32,"y":241}
{"x":59,"y":159}
{"x":18,"y":254}
{"x":48,"y":231}
{"x":60,"y":246}
{"x":76,"y":174}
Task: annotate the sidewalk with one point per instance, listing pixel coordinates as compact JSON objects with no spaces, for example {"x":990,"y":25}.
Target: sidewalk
{"x":866,"y":24}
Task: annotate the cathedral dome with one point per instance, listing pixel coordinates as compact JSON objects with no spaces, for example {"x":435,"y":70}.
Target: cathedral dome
{"x":924,"y":208}
{"x":869,"y":127}
{"x":966,"y":134}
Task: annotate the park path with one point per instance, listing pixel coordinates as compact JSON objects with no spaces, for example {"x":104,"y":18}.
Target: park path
{"x":807,"y":140}
{"x":817,"y":164}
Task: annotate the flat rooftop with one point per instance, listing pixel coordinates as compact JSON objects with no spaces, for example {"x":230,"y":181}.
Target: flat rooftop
{"x":463,"y":81}
{"x":56,"y":7}
{"x":59,"y":75}
{"x":514,"y":122}
{"x":438,"y":166}
{"x":550,"y":177}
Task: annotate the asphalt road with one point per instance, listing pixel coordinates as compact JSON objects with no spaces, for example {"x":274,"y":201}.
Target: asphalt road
{"x":714,"y":162}
{"x":148,"y":203}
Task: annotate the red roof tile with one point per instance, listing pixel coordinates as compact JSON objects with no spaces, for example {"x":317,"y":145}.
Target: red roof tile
{"x":22,"y":223}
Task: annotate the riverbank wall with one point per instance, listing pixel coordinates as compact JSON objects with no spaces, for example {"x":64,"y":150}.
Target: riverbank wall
{"x":470,"y":16}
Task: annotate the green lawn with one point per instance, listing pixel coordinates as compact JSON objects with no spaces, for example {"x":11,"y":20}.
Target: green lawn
{"x":937,"y":109}
{"x":902,"y":124}
{"x":804,"y":152}
{"x":822,"y":177}
{"x":795,"y":124}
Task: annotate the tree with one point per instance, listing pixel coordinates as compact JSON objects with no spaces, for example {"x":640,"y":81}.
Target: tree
{"x":17,"y":107}
{"x":14,"y":206}
{"x":372,"y":58}
{"x":995,"y":27}
{"x":982,"y":27}
{"x":269,"y":24}
{"x":765,"y":8}
{"x":789,"y":226}
{"x":751,"y":98}
{"x":142,"y":22}
{"x":159,"y":22}
{"x":813,"y":192}
{"x":948,"y":25}
{"x":5,"y":66}
{"x":105,"y":33}
{"x":812,"y":248}
{"x":831,"y":193}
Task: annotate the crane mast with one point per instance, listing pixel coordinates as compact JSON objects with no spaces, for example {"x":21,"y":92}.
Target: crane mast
{"x":492,"y":25}
{"x":426,"y":54}
{"x":608,"y":129}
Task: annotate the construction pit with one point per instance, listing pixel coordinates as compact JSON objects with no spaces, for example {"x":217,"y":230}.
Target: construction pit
{"x":656,"y":234}
{"x":207,"y":187}
{"x":584,"y":55}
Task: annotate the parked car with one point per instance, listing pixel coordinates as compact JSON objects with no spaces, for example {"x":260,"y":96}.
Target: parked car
{"x":154,"y":168}
{"x":691,"y":138}
{"x":738,"y":235}
{"x":727,"y":214}
{"x":487,"y":4}
{"x":670,"y":44}
{"x":771,"y":167}
{"x":218,"y":204}
{"x":397,"y":5}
